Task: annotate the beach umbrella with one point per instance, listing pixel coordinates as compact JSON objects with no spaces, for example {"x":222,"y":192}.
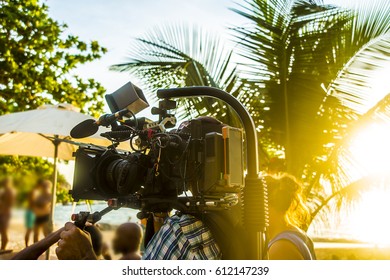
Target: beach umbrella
{"x":44,"y":132}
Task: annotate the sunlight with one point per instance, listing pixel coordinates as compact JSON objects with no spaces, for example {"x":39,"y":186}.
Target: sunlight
{"x":369,"y":221}
{"x":371,"y":149}
{"x":379,"y":85}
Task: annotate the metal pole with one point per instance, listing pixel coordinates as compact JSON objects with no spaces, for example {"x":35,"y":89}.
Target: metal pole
{"x":56,"y":143}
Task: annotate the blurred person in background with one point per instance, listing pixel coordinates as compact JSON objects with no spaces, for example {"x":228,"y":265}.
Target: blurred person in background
{"x":42,"y":208}
{"x":30,"y":215}
{"x":7,"y":200}
{"x":287,"y":215}
{"x":127,"y":241}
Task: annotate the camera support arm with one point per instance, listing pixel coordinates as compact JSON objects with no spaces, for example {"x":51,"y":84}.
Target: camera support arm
{"x":255,"y":192}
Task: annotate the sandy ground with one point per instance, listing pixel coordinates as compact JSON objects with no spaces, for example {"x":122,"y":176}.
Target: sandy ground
{"x":374,"y":253}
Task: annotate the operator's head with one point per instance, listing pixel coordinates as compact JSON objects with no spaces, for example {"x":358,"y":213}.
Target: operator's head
{"x":128,"y":238}
{"x":207,"y":125}
{"x":286,"y":200}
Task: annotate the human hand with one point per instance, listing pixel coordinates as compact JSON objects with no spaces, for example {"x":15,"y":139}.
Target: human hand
{"x":75,"y":244}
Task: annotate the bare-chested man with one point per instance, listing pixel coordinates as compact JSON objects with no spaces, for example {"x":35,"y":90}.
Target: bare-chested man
{"x":7,"y":199}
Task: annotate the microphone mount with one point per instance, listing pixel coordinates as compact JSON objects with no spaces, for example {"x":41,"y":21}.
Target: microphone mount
{"x":109,"y":119}
{"x":90,"y":126}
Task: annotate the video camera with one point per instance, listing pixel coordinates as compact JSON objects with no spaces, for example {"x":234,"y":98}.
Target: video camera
{"x":193,"y":168}
{"x":196,"y":168}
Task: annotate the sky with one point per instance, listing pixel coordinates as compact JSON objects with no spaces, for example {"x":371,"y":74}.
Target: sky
{"x":114,"y":24}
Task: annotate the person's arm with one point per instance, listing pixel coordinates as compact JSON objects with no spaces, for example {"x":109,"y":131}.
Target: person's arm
{"x":35,"y":250}
{"x":284,"y":250}
{"x":75,"y":244}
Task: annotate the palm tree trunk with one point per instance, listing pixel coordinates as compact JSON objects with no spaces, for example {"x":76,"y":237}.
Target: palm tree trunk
{"x":288,"y":152}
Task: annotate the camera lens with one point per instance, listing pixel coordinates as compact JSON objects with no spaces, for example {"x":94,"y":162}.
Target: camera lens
{"x":124,"y":175}
{"x":113,"y":171}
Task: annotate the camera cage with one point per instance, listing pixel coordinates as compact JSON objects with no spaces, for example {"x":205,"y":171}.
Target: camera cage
{"x":254,"y":194}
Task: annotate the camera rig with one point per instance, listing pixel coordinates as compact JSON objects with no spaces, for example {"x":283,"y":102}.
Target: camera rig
{"x":230,"y":190}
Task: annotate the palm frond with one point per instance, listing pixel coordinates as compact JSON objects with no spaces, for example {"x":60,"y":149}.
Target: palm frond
{"x":292,"y":47}
{"x":353,"y":94}
{"x":364,"y":80}
{"x":180,"y":55}
{"x":371,"y":20}
{"x":350,"y":104}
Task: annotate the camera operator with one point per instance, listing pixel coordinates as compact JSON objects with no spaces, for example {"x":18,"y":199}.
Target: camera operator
{"x":181,"y":236}
{"x":76,"y":244}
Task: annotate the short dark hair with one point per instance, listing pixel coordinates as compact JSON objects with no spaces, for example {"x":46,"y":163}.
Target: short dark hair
{"x":208,"y":124}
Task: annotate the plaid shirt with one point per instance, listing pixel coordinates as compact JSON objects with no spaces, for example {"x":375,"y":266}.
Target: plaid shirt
{"x":182,"y":238}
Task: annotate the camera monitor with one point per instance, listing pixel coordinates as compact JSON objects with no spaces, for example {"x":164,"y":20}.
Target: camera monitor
{"x":128,"y":96}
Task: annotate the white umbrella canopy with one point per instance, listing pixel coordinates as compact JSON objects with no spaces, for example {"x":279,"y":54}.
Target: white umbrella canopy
{"x":28,"y":133}
{"x":32,"y":144}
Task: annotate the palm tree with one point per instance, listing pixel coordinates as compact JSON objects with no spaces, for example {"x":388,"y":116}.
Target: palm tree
{"x":316,"y":80}
{"x":286,"y":36}
{"x":177,"y":56}
{"x":293,"y":59}
{"x":295,"y":47}
{"x":362,"y":89}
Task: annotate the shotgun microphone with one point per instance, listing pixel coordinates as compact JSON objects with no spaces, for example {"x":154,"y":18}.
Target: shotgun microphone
{"x":89,"y":127}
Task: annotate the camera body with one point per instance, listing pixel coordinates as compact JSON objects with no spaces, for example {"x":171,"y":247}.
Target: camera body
{"x":194,"y":168}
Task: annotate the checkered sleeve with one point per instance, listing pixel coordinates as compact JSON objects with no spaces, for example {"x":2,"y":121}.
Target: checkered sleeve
{"x":182,"y":238}
{"x":165,"y":243}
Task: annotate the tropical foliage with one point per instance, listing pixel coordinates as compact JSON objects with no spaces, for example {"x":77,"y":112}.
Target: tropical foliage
{"x":299,"y":72}
{"x":37,"y":59}
{"x":185,"y":56}
{"x":363,"y":91}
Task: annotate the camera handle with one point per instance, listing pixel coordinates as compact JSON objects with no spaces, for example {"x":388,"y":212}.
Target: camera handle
{"x":83,"y":217}
{"x":255,"y":196}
